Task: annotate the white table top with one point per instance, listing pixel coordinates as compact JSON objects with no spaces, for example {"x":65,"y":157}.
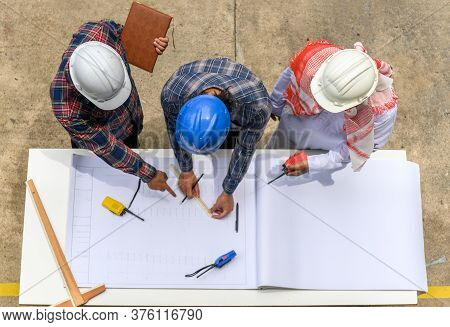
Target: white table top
{"x":40,"y":282}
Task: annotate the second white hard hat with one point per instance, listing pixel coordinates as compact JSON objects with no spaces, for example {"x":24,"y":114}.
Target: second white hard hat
{"x":99,"y":74}
{"x":346,"y":79}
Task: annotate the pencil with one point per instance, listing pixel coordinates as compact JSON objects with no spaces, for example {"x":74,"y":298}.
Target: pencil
{"x":195,"y":184}
{"x":236,"y":224}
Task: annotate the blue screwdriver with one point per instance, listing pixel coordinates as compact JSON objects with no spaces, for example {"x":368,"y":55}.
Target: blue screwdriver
{"x":219,"y":263}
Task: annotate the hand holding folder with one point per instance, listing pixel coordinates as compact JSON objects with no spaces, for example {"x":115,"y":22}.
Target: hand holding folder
{"x":142,"y":27}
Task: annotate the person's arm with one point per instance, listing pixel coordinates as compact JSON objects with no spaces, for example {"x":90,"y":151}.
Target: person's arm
{"x":170,"y":109}
{"x":110,"y":149}
{"x":338,"y":156}
{"x":240,"y":160}
{"x":277,"y":97}
{"x":334,"y":159}
{"x":244,"y":149}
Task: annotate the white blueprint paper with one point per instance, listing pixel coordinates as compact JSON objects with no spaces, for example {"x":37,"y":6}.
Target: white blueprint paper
{"x":174,"y":240}
{"x":341,"y":230}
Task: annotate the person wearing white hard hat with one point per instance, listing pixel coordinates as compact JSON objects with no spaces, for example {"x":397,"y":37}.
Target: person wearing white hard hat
{"x":334,"y":99}
{"x":95,"y":99}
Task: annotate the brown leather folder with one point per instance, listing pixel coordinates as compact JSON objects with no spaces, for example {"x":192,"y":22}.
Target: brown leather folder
{"x":142,"y":27}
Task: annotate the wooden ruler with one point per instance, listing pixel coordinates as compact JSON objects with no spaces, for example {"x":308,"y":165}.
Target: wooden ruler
{"x":76,"y":297}
{"x":199,"y":200}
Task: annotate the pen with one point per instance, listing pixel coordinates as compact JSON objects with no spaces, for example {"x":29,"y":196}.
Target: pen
{"x":195,"y":184}
{"x":236,"y":224}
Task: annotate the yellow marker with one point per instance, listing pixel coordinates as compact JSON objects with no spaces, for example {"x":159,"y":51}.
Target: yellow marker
{"x":117,"y":208}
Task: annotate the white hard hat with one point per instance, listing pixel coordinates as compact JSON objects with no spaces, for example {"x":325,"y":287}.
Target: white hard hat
{"x":99,"y":73}
{"x":346,"y":79}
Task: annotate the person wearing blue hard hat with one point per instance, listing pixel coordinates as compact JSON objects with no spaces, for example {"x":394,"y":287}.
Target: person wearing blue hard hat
{"x":203,"y":124}
{"x":211,"y":104}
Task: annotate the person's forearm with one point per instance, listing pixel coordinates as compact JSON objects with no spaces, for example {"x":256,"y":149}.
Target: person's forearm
{"x":184,"y":160}
{"x":183,"y":157}
{"x":116,"y":154}
{"x":245,"y":148}
{"x":333,"y":159}
{"x":239,"y":163}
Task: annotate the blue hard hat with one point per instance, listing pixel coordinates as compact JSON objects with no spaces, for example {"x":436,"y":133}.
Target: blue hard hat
{"x":202,"y":124}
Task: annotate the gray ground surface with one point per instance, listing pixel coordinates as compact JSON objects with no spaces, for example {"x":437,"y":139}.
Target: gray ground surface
{"x":411,"y":35}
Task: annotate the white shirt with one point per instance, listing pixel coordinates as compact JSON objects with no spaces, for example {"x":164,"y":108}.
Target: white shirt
{"x":320,"y":132}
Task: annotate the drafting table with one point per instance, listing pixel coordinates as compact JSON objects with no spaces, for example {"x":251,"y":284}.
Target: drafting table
{"x":41,"y":283}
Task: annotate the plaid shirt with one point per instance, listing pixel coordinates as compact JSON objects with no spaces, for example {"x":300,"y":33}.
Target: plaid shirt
{"x":250,"y":110}
{"x":90,"y":127}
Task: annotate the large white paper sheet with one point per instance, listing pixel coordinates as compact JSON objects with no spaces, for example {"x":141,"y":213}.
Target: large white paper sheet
{"x":174,"y":240}
{"x":341,"y":230}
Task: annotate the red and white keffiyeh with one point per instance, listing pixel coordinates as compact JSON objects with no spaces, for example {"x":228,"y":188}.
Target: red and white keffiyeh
{"x":359,"y":121}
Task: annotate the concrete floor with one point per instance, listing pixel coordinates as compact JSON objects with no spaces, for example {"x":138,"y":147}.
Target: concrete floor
{"x":411,"y":35}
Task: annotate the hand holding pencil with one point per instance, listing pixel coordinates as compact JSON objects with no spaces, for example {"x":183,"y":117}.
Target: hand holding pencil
{"x":188,"y":184}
